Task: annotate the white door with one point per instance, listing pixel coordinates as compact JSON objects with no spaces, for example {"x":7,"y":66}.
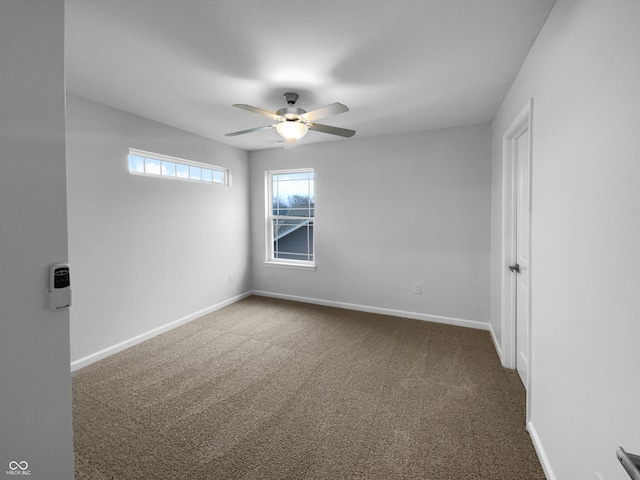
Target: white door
{"x":523,"y":211}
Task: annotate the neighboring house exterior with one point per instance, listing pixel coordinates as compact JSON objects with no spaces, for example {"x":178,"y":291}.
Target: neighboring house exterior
{"x":293,"y":239}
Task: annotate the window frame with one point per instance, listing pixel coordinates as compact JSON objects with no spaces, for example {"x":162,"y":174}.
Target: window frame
{"x":177,"y":162}
{"x":270,"y":217}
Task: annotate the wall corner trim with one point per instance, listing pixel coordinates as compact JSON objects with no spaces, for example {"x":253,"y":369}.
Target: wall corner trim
{"x":542,"y":456}
{"x":496,"y":344}
{"x":94,"y":357}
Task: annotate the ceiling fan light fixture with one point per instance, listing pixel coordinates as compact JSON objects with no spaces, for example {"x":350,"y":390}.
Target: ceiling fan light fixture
{"x":292,"y":131}
{"x":293,"y":123}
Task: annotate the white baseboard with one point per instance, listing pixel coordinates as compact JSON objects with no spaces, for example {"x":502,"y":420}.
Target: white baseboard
{"x":542,"y":456}
{"x":382,"y":311}
{"x":94,"y":357}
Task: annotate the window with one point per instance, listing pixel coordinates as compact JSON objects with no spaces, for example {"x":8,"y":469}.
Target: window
{"x":290,"y":217}
{"x":154,"y":164}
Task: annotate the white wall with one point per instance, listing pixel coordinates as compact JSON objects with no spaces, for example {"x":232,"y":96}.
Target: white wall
{"x":147,"y":251}
{"x":35,"y":386}
{"x":390,"y":212}
{"x":583,"y":73}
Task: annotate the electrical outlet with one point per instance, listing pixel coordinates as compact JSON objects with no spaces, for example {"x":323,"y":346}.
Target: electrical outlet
{"x":417,"y":288}
{"x":230,"y":279}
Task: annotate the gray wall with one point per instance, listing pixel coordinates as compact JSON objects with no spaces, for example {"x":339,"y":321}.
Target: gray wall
{"x":583,"y":74}
{"x":390,"y":212}
{"x":35,"y":387}
{"x":144,"y":251}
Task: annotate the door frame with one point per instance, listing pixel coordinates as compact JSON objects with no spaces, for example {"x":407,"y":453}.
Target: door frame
{"x":522,"y":122}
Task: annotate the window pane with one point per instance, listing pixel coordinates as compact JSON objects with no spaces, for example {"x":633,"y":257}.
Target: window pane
{"x":168,"y":169}
{"x":300,"y":208}
{"x":280,"y":206}
{"x":218,"y":176}
{"x":152,"y":166}
{"x":182,"y":170}
{"x":136,"y":164}
{"x":293,"y":239}
{"x":195,"y":173}
{"x":294,"y":176}
{"x":312,"y":195}
{"x":207,"y":175}
{"x":293,"y":194}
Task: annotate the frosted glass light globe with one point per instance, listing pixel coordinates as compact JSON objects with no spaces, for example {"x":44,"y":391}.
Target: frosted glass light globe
{"x":292,"y":130}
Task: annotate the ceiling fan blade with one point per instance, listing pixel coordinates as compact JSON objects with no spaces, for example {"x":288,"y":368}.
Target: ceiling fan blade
{"x":333,"y":109}
{"x":251,"y":130}
{"x":343,"y":132}
{"x":259,"y":111}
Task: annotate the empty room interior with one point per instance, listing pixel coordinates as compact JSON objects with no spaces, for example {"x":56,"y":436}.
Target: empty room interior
{"x":320,"y":239}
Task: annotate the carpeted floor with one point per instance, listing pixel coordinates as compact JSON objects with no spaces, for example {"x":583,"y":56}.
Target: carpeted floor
{"x":270,"y":389}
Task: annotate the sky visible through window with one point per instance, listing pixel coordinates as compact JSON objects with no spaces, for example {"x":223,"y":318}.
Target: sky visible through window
{"x":287,"y":187}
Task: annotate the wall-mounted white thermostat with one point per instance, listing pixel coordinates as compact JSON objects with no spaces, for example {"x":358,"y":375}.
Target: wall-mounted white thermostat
{"x":59,"y":286}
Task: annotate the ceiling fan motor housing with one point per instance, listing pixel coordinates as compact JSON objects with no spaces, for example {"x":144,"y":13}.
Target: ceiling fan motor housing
{"x":291,"y":113}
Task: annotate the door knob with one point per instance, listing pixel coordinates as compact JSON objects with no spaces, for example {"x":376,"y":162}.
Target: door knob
{"x":514,"y":268}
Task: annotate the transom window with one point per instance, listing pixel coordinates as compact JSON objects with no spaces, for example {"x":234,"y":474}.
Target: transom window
{"x":290,"y":217}
{"x":157,"y":165}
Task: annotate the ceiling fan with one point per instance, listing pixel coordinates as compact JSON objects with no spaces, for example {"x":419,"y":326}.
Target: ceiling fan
{"x":293,"y":123}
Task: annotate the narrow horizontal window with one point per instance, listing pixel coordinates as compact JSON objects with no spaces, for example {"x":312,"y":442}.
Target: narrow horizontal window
{"x":157,"y":165}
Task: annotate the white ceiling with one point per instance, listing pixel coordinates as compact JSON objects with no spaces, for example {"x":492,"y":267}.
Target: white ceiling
{"x":400,"y":66}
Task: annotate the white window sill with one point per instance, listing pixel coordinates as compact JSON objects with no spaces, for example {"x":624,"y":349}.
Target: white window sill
{"x":295,"y":266}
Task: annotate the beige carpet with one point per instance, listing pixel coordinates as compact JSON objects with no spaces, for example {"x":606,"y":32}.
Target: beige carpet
{"x":269,"y":389}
